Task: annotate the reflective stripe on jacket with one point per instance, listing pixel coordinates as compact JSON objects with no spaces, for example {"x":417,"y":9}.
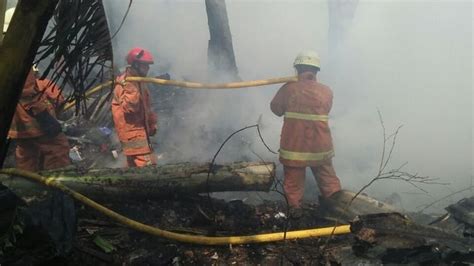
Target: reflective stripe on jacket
{"x":305,"y":137}
{"x":133,"y":117}
{"x":306,"y":156}
{"x":309,"y":117}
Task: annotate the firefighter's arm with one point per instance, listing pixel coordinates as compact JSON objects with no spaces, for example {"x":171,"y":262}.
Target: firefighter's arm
{"x":35,"y":106}
{"x":39,"y":110}
{"x":48,"y":124}
{"x":129,"y":97}
{"x":278,"y":104}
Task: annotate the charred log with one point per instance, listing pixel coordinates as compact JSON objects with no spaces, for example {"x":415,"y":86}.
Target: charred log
{"x":394,"y":238}
{"x":463,"y":213}
{"x":344,"y":206}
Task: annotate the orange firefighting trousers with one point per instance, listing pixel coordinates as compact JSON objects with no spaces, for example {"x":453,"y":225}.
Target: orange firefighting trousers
{"x":141,"y":160}
{"x":42,"y":153}
{"x":293,"y":184}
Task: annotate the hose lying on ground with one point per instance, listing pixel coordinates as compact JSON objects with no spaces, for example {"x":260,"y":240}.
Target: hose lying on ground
{"x":192,"y":239}
{"x":190,"y":85}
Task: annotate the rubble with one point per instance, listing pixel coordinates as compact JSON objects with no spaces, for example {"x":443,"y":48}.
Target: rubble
{"x":394,"y":238}
{"x":376,"y":238}
{"x":463,"y":213}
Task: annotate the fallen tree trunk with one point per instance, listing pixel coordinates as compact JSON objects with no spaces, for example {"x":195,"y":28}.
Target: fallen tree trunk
{"x":154,"y":181}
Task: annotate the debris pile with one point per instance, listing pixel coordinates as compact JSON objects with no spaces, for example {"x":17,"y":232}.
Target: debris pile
{"x":376,"y":238}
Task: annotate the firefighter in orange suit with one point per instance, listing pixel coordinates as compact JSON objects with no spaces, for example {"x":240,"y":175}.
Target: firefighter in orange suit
{"x":305,"y":138}
{"x":40,"y":143}
{"x":133,"y":117}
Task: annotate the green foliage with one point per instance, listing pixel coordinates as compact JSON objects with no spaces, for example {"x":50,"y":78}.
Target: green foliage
{"x":9,"y":238}
{"x":105,"y":245}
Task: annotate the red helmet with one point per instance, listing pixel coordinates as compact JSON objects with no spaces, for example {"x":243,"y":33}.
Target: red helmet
{"x":141,"y":55}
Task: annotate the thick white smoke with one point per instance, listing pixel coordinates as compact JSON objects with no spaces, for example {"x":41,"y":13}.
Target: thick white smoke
{"x":412,"y":60}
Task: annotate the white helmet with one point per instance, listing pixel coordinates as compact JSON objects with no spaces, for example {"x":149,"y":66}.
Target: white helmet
{"x":310,"y":58}
{"x":8,"y":18}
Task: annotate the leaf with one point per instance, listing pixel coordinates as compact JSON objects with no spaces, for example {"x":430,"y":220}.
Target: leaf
{"x":104,"y":244}
{"x":7,"y":243}
{"x":18,"y":229}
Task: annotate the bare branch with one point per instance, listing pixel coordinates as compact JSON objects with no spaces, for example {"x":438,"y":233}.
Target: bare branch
{"x":384,"y":141}
{"x":394,"y":174}
{"x":394,"y":140}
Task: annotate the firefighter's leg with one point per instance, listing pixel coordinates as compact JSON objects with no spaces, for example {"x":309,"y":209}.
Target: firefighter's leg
{"x":327,"y":179}
{"x":55,"y":151}
{"x":27,"y":155}
{"x":294,"y":185}
{"x":141,"y":160}
{"x":130,"y":161}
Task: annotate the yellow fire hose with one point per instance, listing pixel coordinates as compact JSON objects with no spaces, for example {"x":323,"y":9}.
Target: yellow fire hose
{"x":192,"y":239}
{"x":191,"y":85}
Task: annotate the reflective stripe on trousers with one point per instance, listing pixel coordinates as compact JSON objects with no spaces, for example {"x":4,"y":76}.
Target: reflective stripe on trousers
{"x":311,"y":117}
{"x":141,"y":160}
{"x":306,"y":156}
{"x":133,"y":144}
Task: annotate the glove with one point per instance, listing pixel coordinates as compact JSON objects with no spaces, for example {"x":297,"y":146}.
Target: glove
{"x":164,"y":76}
{"x":48,"y":124}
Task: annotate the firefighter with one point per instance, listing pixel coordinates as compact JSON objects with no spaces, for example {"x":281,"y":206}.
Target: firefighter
{"x":51,"y":92}
{"x":133,"y":117}
{"x":40,"y":142}
{"x":305,"y":138}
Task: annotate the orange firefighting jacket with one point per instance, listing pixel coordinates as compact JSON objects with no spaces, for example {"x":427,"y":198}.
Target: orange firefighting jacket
{"x":36,"y":97}
{"x":305,"y":136}
{"x":133,"y":117}
{"x":51,"y":92}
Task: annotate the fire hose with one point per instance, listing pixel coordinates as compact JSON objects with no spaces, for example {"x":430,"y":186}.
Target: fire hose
{"x":190,"y":85}
{"x":186,"y":238}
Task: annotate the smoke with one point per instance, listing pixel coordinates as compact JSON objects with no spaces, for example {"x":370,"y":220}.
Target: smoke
{"x":412,"y":60}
